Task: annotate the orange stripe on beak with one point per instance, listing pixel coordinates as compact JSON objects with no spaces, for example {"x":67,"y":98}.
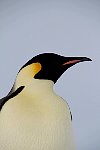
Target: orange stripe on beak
{"x":71,"y":62}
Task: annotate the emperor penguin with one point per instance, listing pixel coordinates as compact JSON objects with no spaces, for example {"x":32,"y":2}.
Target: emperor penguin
{"x":32,"y":115}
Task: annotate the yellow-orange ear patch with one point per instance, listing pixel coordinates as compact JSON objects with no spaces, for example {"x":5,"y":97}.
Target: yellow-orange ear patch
{"x":30,"y":70}
{"x":27,"y":73}
{"x":36,"y":68}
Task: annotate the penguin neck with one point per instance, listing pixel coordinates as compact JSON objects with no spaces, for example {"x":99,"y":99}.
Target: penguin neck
{"x":33,"y":86}
{"x":36,"y":87}
{"x":40,"y":87}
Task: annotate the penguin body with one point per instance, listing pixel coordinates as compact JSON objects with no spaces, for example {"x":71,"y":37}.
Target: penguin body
{"x":33,"y":116}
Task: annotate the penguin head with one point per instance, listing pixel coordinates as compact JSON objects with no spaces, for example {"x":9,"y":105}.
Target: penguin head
{"x":49,"y":66}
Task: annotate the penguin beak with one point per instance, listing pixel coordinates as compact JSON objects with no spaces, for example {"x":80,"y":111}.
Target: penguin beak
{"x":73,"y":60}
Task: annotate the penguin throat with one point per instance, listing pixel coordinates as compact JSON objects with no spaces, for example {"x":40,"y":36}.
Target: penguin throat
{"x":37,"y":87}
{"x":40,"y":87}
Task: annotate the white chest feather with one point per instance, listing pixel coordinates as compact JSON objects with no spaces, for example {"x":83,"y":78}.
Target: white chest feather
{"x":35,"y":121}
